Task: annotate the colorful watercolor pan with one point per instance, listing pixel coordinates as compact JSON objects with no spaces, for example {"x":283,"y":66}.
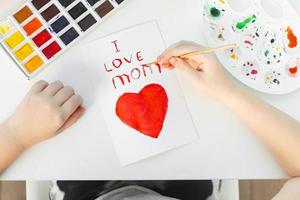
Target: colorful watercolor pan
{"x":268,"y":57}
{"x":41,"y":30}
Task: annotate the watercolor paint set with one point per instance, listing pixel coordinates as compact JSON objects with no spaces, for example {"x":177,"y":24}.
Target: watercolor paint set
{"x":41,"y":30}
{"x":268,"y":35}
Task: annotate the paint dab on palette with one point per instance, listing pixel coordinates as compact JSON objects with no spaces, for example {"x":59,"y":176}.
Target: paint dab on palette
{"x":271,"y":51}
{"x":215,"y":10}
{"x":234,"y":56}
{"x":291,"y":39}
{"x":144,"y":111}
{"x":218,"y":32}
{"x":250,"y":70}
{"x":293,"y":67}
{"x":252,"y":37}
{"x":273,"y":79}
{"x":243,"y":24}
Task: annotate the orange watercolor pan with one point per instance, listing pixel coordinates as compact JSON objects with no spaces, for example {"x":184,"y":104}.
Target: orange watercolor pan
{"x":32,"y":26}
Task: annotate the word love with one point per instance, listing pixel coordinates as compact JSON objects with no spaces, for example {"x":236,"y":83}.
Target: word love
{"x":135,"y":71}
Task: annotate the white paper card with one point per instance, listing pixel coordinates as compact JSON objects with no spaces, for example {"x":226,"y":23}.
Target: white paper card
{"x":144,"y":107}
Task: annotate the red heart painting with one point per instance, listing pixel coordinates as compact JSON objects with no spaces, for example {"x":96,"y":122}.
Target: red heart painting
{"x":144,"y":111}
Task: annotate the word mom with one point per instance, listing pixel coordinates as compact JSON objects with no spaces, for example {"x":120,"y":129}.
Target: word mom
{"x":134,"y":73}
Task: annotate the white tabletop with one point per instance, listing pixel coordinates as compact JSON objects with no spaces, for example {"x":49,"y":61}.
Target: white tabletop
{"x":225,"y":149}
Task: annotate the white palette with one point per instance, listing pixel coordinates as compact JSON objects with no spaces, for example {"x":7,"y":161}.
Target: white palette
{"x":268,"y":59}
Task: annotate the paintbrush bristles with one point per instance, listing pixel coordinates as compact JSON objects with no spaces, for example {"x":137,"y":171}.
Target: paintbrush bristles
{"x":203,"y":51}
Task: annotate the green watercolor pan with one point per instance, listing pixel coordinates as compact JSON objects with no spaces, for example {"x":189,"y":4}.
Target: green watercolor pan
{"x":39,"y":31}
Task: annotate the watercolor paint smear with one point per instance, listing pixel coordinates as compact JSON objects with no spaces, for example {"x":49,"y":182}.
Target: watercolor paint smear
{"x":144,"y":111}
{"x":15,"y":39}
{"x":293,"y":67}
{"x":243,"y":24}
{"x":292,"y":38}
{"x":24,"y":52}
{"x":23,"y":14}
{"x":250,"y":70}
{"x":273,"y":79}
{"x":33,"y":64}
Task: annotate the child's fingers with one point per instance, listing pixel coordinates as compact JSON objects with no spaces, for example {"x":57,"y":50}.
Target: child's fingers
{"x":195,"y":64}
{"x":181,"y":64}
{"x":38,"y":86}
{"x":53,"y":88}
{"x":187,"y":70}
{"x":72,"y":119}
{"x":177,"y":51}
{"x":71,"y":105}
{"x":63,"y":95}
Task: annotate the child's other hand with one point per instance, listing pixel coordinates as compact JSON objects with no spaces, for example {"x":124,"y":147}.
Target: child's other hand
{"x":46,"y":110}
{"x":205,"y":71}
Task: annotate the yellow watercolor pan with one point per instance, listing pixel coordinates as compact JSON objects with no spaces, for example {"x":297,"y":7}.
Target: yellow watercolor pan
{"x":15,"y":39}
{"x":5,"y":28}
{"x":25,"y":51}
{"x":33,"y":64}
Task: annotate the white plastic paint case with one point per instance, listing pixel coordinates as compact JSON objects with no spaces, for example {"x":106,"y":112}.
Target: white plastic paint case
{"x":55,"y":37}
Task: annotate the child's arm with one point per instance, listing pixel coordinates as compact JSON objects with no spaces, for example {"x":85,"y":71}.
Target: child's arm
{"x":275,"y":129}
{"x":45,"y":111}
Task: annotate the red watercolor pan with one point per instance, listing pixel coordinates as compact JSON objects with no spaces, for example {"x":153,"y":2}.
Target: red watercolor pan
{"x":51,"y":50}
{"x":42,"y":38}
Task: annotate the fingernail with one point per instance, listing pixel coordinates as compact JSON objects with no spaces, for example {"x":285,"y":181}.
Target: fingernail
{"x":173,"y":61}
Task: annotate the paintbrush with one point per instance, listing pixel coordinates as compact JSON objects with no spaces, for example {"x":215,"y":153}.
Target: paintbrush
{"x":202,"y":51}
